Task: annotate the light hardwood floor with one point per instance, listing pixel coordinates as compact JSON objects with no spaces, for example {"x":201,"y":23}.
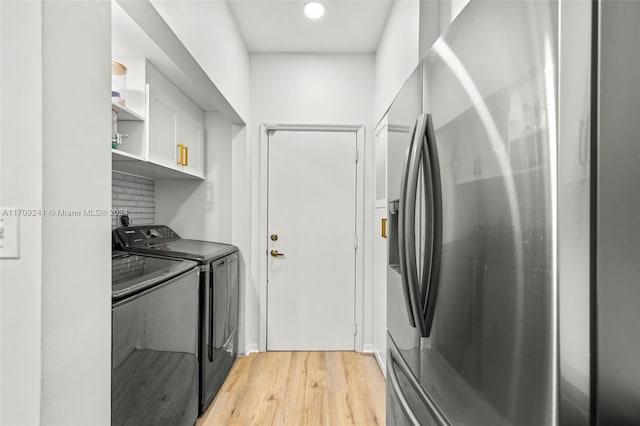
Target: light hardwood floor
{"x":300,"y":388}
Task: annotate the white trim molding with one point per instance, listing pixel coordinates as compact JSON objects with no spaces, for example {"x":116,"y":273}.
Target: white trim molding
{"x":367,"y":348}
{"x":312,"y":127}
{"x":265,"y":128}
{"x":250,"y":349}
{"x":383,"y":368}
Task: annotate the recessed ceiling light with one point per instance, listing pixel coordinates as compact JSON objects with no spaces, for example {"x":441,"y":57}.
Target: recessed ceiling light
{"x":314,"y":10}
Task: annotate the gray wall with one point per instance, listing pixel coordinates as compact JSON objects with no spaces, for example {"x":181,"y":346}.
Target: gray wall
{"x":135,"y":194}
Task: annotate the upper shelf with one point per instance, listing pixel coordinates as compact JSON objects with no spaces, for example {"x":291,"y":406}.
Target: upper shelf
{"x":132,"y":164}
{"x":125,"y":114}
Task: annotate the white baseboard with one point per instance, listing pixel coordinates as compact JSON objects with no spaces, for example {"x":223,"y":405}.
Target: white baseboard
{"x":250,"y":349}
{"x":367,"y":348}
{"x":383,"y":368}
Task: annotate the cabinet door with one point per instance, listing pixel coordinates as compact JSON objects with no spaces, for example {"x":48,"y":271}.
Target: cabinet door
{"x":176,"y":127}
{"x":191,"y":136}
{"x":163,"y":124}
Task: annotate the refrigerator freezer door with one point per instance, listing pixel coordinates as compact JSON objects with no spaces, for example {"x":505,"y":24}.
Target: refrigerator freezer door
{"x":402,"y":116}
{"x":407,"y":404}
{"x":490,"y":87}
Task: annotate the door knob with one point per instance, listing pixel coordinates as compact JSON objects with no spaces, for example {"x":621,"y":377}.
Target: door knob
{"x":275,"y":253}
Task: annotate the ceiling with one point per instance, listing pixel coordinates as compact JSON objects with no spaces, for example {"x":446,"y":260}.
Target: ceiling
{"x":348,"y":26}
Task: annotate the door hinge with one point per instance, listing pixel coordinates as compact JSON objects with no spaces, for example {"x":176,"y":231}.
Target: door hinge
{"x":355,"y":242}
{"x":355,"y":329}
{"x":357,"y":156}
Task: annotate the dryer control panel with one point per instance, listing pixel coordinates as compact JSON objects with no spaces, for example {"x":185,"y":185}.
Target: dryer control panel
{"x":141,"y":236}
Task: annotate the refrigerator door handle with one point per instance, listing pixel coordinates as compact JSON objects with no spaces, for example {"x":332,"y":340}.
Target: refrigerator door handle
{"x":397,"y":361}
{"x":434,"y":194}
{"x":428,"y":231}
{"x":402,"y":254}
{"x":409,"y":228}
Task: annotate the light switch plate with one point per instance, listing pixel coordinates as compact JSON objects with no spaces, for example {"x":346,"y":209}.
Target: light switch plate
{"x":9,"y":237}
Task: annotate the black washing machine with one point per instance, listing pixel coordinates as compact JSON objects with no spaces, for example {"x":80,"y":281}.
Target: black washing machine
{"x":219,"y":294}
{"x":154,"y":344}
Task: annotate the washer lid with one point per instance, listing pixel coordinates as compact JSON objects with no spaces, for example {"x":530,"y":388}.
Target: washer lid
{"x":200,"y":251}
{"x":131,"y":273}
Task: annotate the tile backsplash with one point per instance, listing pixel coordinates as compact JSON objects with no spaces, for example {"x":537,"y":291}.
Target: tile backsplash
{"x":135,"y":194}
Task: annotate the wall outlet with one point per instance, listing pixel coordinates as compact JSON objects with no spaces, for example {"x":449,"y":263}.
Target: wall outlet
{"x":9,"y":237}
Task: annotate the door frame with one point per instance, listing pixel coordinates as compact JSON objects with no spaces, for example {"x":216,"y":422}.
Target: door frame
{"x":382,"y":127}
{"x":359,"y":131}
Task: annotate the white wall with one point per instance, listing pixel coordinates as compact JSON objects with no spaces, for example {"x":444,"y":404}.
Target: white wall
{"x":21,"y":186}
{"x":209,"y":32}
{"x":304,"y":88}
{"x":311,"y":88}
{"x":397,"y":54}
{"x":76,"y":174}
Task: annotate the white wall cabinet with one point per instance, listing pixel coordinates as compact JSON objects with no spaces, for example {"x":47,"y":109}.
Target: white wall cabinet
{"x":176,"y":126}
{"x":164,"y":128}
{"x":192,"y":143}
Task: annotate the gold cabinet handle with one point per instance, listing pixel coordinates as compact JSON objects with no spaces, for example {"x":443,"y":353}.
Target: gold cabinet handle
{"x":181,"y":159}
{"x":186,"y":156}
{"x":275,"y":253}
{"x":383,"y":230}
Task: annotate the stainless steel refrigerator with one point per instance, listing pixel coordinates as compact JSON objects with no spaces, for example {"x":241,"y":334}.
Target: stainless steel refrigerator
{"x":514,"y":196}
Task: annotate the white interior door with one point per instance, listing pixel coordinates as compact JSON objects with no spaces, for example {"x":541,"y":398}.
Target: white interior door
{"x":311,"y":223}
